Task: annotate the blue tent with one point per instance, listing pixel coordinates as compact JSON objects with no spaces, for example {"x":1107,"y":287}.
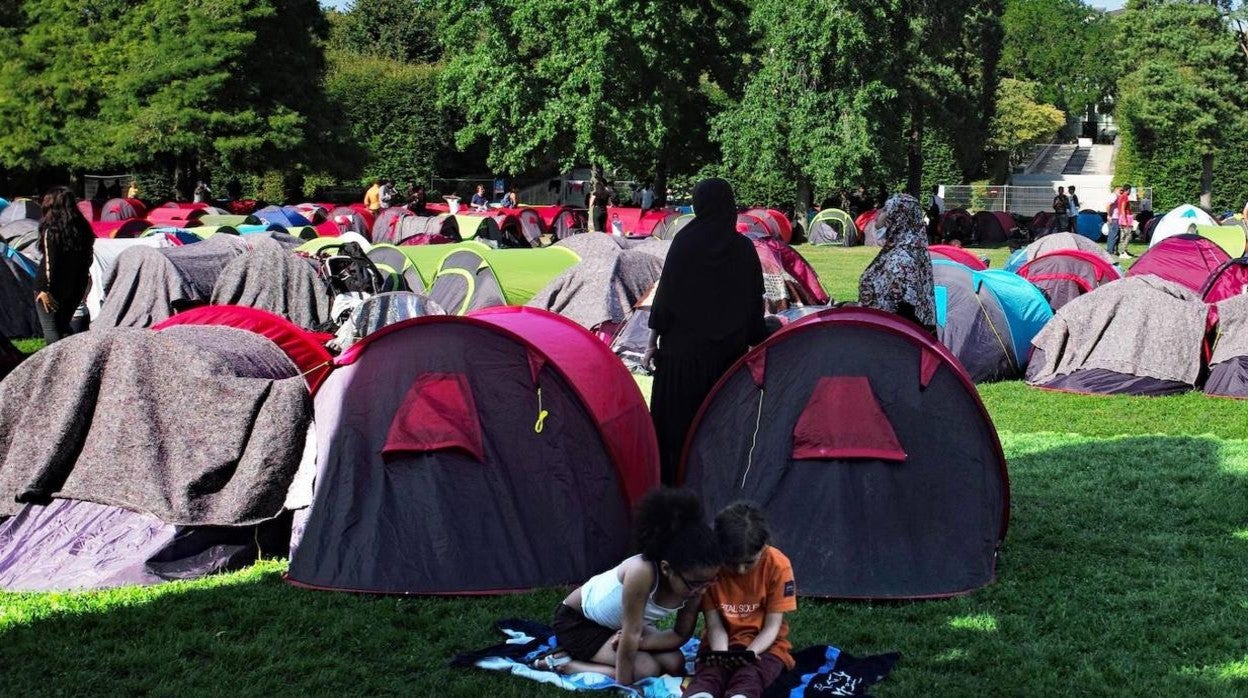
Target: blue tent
{"x":1088,"y":224}
{"x":987,"y":318}
{"x":285,"y":216}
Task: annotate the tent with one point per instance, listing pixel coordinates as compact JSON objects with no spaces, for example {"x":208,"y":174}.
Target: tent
{"x":877,"y":466}
{"x":315,"y":213}
{"x":414,"y":229}
{"x":104,"y":265}
{"x":182,"y":236}
{"x":751,"y":225}
{"x":399,"y":271}
{"x":532,"y":227}
{"x":599,"y":292}
{"x":673,"y":227}
{"x":1041,"y":224}
{"x":382,"y":310}
{"x":1059,"y":241}
{"x":1179,"y":221}
{"x":1227,"y":281}
{"x":498,"y":452}
{"x":1089,"y":223}
{"x":485,"y":229}
{"x":987,"y":319}
{"x":956,"y":254}
{"x":633,"y":222}
{"x":777,"y":223}
{"x":1229,"y":236}
{"x":469,"y":279}
{"x":865,"y":218}
{"x":1142,"y":335}
{"x":176,"y":217}
{"x":350,"y":219}
{"x":90,"y":209}
{"x":957,"y":224}
{"x":1066,"y":274}
{"x":274,"y":278}
{"x":152,"y":284}
{"x":20,"y":209}
{"x":832,"y":226}
{"x":1228,"y":363}
{"x":122,"y":210}
{"x":993,"y":227}
{"x":1184,"y":259}
{"x":22,"y":235}
{"x":132,"y":228}
{"x":211,"y":219}
{"x":1149,"y":226}
{"x":788,"y":278}
{"x":566,"y":221}
{"x":17,"y":295}
{"x":140,"y":498}
{"x":285,"y":216}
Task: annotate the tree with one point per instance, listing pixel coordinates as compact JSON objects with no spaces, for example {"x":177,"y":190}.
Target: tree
{"x":550,"y":82}
{"x":167,"y":83}
{"x":1065,"y":47}
{"x":1181,"y":87}
{"x":402,"y":30}
{"x":1021,"y":121}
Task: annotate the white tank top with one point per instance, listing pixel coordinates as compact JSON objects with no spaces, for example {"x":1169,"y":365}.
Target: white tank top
{"x":602,"y":600}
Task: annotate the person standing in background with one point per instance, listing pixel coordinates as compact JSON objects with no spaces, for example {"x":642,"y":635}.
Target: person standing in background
{"x":372,"y":197}
{"x":65,"y":241}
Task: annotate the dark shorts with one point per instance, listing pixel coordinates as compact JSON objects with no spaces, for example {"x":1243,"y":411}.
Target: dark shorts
{"x":579,"y":636}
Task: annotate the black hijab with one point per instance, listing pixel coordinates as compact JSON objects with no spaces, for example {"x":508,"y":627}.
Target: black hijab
{"x":711,"y":289}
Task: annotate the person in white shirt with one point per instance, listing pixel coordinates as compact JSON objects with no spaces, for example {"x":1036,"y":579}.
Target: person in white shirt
{"x":647,"y":197}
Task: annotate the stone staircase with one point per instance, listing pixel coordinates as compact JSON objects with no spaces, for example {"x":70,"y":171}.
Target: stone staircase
{"x":1089,"y":168}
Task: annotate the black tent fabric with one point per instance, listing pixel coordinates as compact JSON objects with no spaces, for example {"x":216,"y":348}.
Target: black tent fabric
{"x":433,"y":478}
{"x":876,"y":464}
{"x":17,"y":296}
{"x":193,"y":425}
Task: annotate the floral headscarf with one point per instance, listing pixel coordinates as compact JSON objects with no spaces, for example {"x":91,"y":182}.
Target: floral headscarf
{"x":902,"y":271}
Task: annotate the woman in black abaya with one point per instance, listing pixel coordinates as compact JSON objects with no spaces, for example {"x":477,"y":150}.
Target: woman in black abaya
{"x":707,"y":311}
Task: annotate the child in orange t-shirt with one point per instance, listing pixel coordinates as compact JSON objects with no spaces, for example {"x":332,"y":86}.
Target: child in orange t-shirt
{"x":744,"y":609}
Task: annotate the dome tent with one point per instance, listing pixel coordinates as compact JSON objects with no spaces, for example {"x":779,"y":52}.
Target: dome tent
{"x":849,"y":453}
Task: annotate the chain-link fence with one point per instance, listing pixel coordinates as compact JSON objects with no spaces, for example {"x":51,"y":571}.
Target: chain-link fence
{"x":1024,"y":201}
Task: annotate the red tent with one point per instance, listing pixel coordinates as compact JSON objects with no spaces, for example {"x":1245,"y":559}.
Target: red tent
{"x":176,"y":216}
{"x":1184,"y":259}
{"x":956,"y":254}
{"x":122,"y":209}
{"x":864,"y":219}
{"x":777,"y":223}
{"x":1227,"y":281}
{"x":1064,"y":275}
{"x":132,"y":228}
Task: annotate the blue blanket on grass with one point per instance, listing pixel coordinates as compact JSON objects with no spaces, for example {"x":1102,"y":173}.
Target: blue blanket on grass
{"x":820,"y":671}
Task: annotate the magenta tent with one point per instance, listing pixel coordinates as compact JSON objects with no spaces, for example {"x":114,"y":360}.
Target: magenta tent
{"x":1188,"y":260}
{"x":956,"y":254}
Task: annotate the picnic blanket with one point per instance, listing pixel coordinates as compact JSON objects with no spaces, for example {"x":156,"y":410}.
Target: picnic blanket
{"x":819,"y":670}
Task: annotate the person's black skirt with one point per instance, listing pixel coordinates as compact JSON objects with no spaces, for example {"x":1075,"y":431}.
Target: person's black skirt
{"x":579,"y":636}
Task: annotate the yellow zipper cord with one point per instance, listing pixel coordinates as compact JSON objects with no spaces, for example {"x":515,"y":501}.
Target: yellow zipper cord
{"x":541,"y":413}
{"x":758,"y":420}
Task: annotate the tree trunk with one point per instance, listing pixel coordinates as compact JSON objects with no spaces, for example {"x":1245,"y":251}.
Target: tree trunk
{"x":659,"y":187}
{"x":1206,"y":181}
{"x":804,"y":196}
{"x":914,"y":177}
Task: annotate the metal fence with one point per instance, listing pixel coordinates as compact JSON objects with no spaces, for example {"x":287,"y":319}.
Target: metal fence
{"x":1024,"y":201}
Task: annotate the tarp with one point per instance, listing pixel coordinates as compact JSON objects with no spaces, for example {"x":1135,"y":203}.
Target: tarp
{"x":150,"y":284}
{"x":604,"y":286}
{"x":20,"y":209}
{"x":138,"y":391}
{"x":273,"y":278}
{"x":104,"y":266}
{"x":1142,"y":334}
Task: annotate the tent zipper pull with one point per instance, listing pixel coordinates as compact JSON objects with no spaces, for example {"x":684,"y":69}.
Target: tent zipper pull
{"x":541,"y":414}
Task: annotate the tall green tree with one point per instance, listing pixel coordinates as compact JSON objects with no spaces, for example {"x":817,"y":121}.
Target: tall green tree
{"x":402,"y":30}
{"x":1021,"y":121}
{"x":175,"y":84}
{"x":629,"y":83}
{"x":1181,"y":87}
{"x":1065,"y":47}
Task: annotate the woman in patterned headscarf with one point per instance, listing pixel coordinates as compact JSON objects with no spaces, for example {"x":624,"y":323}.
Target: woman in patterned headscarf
{"x":900,"y":279}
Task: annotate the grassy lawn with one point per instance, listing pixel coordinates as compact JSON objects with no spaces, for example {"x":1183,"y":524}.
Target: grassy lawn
{"x":1123,"y":573}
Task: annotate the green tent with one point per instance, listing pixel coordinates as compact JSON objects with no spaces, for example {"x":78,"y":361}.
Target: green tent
{"x":207,"y":231}
{"x":832,"y":226}
{"x":1230,"y":237}
{"x":469,"y":279}
{"x":233,"y":221}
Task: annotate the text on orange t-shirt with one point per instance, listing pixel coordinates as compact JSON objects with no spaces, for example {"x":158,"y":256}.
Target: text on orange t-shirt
{"x":743,"y":601}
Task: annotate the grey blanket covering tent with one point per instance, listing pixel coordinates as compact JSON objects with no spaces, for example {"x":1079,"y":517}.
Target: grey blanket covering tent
{"x":193,"y":425}
{"x":1140,"y":326}
{"x":150,"y":284}
{"x":272,"y":277}
{"x":604,"y":286}
{"x":17,"y":295}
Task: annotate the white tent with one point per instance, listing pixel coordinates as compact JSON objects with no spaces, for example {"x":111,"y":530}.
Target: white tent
{"x":1180,"y":221}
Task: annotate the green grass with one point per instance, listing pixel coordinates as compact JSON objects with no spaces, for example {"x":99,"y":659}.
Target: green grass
{"x":1123,"y":573}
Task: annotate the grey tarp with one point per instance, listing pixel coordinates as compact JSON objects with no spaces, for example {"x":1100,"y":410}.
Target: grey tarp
{"x":1228,"y":367}
{"x":1142,"y":327}
{"x":604,"y":286}
{"x":150,"y":284}
{"x":193,"y":425}
{"x":104,"y":265}
{"x":271,"y":277}
{"x":1066,"y":241}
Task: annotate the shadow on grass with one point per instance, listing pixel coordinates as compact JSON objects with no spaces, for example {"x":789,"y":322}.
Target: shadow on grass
{"x":1123,"y":573}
